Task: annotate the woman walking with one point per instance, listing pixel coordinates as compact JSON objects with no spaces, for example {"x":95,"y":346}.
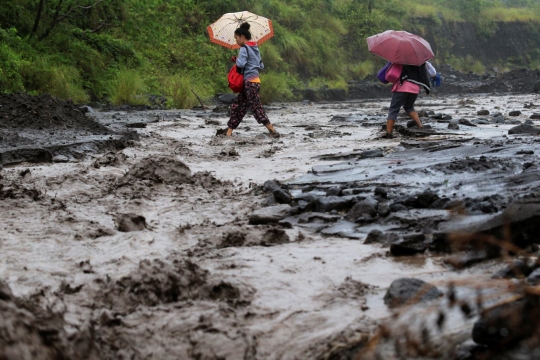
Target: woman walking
{"x":405,"y":92}
{"x":249,"y":59}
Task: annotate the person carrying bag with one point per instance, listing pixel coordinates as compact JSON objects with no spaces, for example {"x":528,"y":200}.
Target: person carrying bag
{"x":249,"y":63}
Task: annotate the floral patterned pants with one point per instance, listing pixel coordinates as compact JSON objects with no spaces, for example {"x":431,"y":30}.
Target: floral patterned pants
{"x":250,"y":97}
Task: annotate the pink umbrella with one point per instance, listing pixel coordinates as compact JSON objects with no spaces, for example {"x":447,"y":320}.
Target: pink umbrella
{"x":400,"y":47}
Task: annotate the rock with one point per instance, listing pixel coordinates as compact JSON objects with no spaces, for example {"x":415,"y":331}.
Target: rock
{"x":524,"y":129}
{"x":525,"y":152}
{"x":422,"y":200}
{"x":427,"y":126}
{"x":409,"y":289}
{"x":368,"y":154}
{"x":334,"y":191}
{"x":338,"y":203}
{"x":518,"y":269}
{"x":423,"y":113}
{"x":466,"y":122}
{"x":529,"y":122}
{"x":440,"y":203}
{"x":227,"y":98}
{"x":514,"y":113}
{"x":438,"y":116}
{"x":380,"y":191}
{"x":446,"y":117}
{"x":397,"y":207}
{"x":130,"y":222}
{"x":453,"y":126}
{"x":383,"y":209}
{"x":377,"y":236}
{"x":415,"y":132}
{"x":498,"y":120}
{"x":513,"y":122}
{"x":533,"y":278}
{"x":60,"y":159}
{"x":482,"y":112}
{"x":535,"y":116}
{"x":270,"y":214}
{"x":536,"y":87}
{"x":410,"y":245}
{"x":282,"y":194}
{"x":481,"y":121}
{"x":411,"y":123}
{"x":503,"y":325}
{"x":361,"y":208}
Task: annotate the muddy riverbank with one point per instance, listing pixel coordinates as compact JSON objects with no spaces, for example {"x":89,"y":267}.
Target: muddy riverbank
{"x":176,"y":245}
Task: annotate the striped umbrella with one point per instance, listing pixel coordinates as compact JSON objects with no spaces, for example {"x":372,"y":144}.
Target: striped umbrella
{"x":222,"y":31}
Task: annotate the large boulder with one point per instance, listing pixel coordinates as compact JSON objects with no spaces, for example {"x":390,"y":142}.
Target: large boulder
{"x":524,"y":129}
{"x":404,"y":290}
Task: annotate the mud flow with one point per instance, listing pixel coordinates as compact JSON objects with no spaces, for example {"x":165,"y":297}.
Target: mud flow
{"x":144,"y":235}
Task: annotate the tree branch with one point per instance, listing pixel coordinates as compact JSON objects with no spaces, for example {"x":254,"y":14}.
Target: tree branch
{"x":38,"y":17}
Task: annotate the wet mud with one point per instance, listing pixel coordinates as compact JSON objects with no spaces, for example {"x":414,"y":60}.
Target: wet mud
{"x":327,"y":243}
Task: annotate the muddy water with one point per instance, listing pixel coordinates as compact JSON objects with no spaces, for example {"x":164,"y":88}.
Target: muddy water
{"x":194,"y":280}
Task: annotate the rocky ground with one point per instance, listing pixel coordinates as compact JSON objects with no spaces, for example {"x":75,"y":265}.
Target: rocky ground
{"x":145,"y":236}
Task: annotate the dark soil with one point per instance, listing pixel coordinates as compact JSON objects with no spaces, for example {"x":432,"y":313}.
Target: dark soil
{"x":23,"y":111}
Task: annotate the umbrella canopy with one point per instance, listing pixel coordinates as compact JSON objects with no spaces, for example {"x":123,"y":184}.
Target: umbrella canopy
{"x":222,"y":31}
{"x":400,"y":47}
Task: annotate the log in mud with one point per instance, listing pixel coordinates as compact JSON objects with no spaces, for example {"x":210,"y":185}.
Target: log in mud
{"x":142,"y":235}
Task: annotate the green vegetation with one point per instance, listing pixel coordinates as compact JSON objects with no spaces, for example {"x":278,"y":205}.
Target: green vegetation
{"x":120,"y":51}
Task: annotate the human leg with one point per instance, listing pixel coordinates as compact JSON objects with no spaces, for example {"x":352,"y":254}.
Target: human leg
{"x":254,"y":99}
{"x":409,"y":109}
{"x":398,"y":99}
{"x":239,"y":109}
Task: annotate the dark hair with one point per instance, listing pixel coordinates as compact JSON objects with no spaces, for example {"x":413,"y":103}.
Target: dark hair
{"x":243,"y":30}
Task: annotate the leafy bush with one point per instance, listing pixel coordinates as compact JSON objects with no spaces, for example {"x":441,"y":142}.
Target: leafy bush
{"x":128,"y":88}
{"x":10,"y":64}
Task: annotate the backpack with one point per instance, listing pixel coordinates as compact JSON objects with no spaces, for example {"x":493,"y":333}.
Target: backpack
{"x":394,"y":73}
{"x":381,"y":75}
{"x":236,"y":77}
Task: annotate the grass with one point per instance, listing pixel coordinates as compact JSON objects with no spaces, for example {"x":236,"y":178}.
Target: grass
{"x":128,"y":88}
{"x":511,"y":14}
{"x":363,"y":69}
{"x":178,"y":89}
{"x":467,"y":64}
{"x":43,"y":76}
{"x":276,"y":87}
